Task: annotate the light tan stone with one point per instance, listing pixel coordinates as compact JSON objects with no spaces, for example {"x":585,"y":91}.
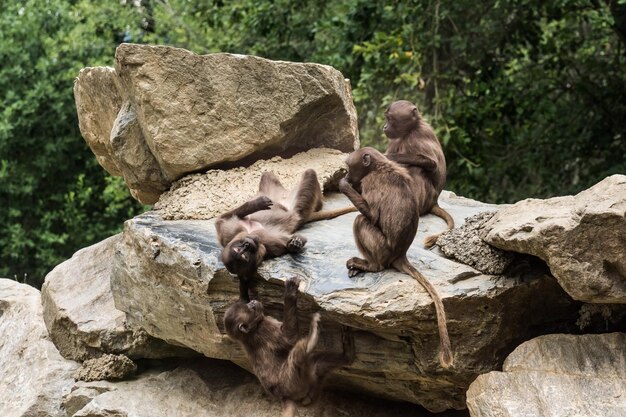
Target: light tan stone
{"x":204,"y":196}
{"x":33,"y":375}
{"x":582,"y":238}
{"x":556,"y":375}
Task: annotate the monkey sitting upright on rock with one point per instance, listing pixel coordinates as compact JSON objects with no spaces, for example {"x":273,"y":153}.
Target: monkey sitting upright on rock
{"x":388,"y":223}
{"x":284,"y":363}
{"x":412,"y":142}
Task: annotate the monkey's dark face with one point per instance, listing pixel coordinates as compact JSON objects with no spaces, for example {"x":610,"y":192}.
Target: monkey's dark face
{"x":240,"y":255}
{"x":360,"y":163}
{"x":400,"y":118}
{"x":241,"y":319}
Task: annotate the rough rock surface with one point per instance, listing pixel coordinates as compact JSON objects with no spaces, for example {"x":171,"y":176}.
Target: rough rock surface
{"x":139,"y":167}
{"x":582,"y":238}
{"x":177,"y":113}
{"x":204,"y":196}
{"x":215,"y":389}
{"x":556,"y":375}
{"x":464,"y":244}
{"x":107,"y":367}
{"x":168,"y":278}
{"x":80,"y":313}
{"x":33,"y":375}
{"x":98,"y":101}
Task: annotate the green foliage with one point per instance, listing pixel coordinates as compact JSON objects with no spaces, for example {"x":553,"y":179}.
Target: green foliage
{"x":55,"y":197}
{"x":526,"y":96}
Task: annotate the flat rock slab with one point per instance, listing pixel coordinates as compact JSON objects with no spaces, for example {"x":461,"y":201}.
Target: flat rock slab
{"x":213,"y":388}
{"x":168,"y":278}
{"x":556,"y":375}
{"x":80,"y":313}
{"x":582,"y":238}
{"x":33,"y":375}
{"x":165,"y":112}
{"x":204,"y":196}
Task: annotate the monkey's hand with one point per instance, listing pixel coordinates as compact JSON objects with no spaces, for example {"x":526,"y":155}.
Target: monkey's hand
{"x":344,"y":185}
{"x":296,"y":243}
{"x":291,"y":285}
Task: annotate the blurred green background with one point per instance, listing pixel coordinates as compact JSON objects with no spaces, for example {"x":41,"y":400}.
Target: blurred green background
{"x":527,"y":97}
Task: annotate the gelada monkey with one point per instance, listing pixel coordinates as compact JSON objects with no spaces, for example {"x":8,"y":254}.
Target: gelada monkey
{"x":387,"y":224}
{"x":412,"y":142}
{"x":284,"y":363}
{"x":265,"y":226}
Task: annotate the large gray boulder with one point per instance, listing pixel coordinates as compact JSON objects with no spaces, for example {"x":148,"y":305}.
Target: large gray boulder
{"x":33,"y":375}
{"x":165,"y":112}
{"x":80,"y":313}
{"x":582,"y":238}
{"x":556,"y":375}
{"x":169,"y":280}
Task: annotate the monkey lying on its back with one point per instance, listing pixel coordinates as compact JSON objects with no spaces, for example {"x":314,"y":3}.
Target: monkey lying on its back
{"x":387,"y":224}
{"x":265,"y":226}
{"x":285,"y":364}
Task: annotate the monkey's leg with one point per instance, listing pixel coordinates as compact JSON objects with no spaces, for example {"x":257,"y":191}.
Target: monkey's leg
{"x":308,"y":197}
{"x":271,"y":187}
{"x":290,"y":310}
{"x":372,"y":244}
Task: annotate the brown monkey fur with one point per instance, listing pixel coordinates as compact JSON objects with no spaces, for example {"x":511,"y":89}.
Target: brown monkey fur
{"x":412,"y":142}
{"x":284,"y":363}
{"x":265,"y":226}
{"x":387,"y":224}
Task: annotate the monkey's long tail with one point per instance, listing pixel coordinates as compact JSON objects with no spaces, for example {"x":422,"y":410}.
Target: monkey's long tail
{"x":329,"y":214}
{"x":431,"y":240}
{"x":445,"y":356}
{"x":289,"y":409}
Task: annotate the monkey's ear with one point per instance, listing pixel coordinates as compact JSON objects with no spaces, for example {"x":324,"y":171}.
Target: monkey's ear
{"x":366,"y":159}
{"x":414,"y":111}
{"x":243,"y":328}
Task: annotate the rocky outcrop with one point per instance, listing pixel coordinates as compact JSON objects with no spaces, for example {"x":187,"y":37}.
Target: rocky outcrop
{"x":165,"y":112}
{"x":80,"y":313}
{"x":168,"y":278}
{"x":212,"y":388}
{"x":582,"y":238}
{"x":33,"y":375}
{"x":556,"y":375}
{"x":204,"y":196}
{"x":108,"y":367}
{"x":464,"y":244}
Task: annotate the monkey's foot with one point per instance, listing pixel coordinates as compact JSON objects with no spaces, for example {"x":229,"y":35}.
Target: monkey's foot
{"x":296,"y":244}
{"x":291,"y":285}
{"x":262,"y":203}
{"x":356,"y":266}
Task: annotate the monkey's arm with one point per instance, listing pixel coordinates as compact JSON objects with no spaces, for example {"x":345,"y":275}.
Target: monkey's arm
{"x":357,"y":200}
{"x":417,"y":160}
{"x":290,"y":310}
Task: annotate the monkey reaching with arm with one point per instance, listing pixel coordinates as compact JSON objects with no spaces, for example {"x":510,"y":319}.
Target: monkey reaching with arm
{"x":284,"y":363}
{"x":412,"y":142}
{"x":387,"y":224}
{"x":265,"y":226}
